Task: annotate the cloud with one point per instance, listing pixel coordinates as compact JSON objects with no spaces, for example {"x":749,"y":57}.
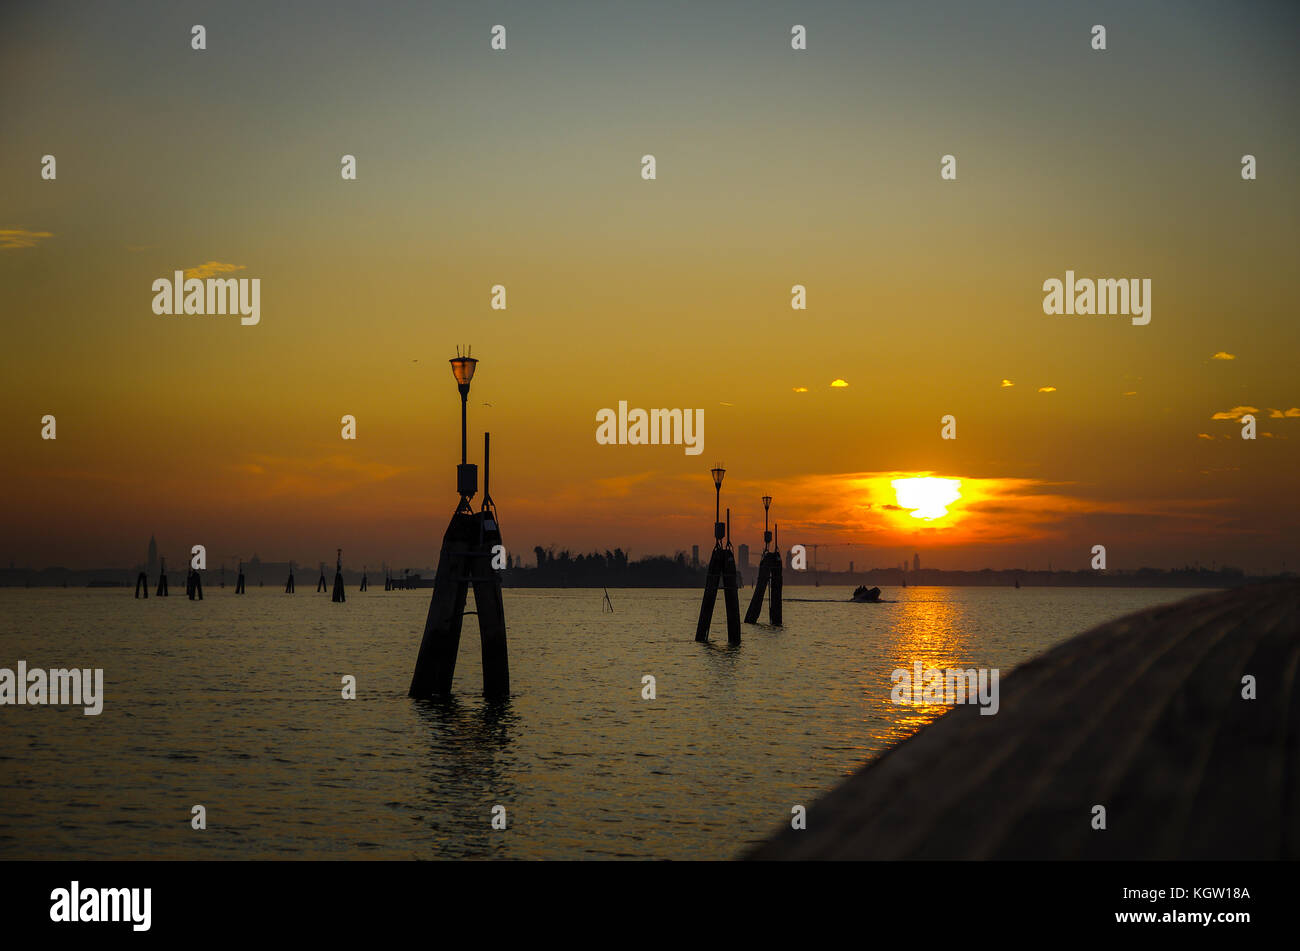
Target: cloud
{"x":22,"y":238}
{"x":1047,"y":389}
{"x":1204,"y":436}
{"x":210,"y":268}
{"x":1131,"y":393}
{"x":837,"y":383}
{"x":324,"y":476}
{"x":618,"y":487}
{"x":1007,"y":383}
{"x":1283,"y":414}
{"x":1224,"y":355}
{"x":801,"y":389}
{"x":1235,"y":413}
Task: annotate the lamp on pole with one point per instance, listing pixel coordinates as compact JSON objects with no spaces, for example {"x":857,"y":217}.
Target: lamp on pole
{"x":719,"y":530}
{"x":767,"y":535}
{"x":462,"y":368}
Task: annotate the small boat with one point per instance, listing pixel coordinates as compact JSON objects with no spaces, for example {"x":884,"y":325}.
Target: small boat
{"x":864,"y":595}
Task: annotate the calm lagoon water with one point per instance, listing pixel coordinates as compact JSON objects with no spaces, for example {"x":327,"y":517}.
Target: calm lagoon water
{"x":235,"y":703}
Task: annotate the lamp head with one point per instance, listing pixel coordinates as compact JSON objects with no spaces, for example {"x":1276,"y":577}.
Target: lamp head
{"x":462,"y":368}
{"x":718,"y":472}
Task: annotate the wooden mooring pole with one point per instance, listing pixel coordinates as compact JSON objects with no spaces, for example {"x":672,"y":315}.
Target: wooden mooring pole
{"x":722,"y":571}
{"x":472,"y":541}
{"x":338,"y":597}
{"x":769,"y":572}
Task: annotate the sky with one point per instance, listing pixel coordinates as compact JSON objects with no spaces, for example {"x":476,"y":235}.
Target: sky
{"x":774,"y":167}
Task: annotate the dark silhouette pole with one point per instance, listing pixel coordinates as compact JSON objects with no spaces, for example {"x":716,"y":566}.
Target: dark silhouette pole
{"x":722,"y":571}
{"x":288,"y":585}
{"x":468,"y":548}
{"x":142,"y":585}
{"x":769,"y":572}
{"x":363,"y":577}
{"x":320,"y":585}
{"x":338,"y":597}
{"x":239,"y":582}
{"x":162,"y":578}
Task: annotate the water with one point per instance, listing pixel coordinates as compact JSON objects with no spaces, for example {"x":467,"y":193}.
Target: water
{"x":235,"y":703}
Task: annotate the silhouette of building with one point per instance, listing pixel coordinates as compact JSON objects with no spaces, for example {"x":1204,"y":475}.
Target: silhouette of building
{"x":743,"y":551}
{"x":695,"y":556}
{"x":916,"y":562}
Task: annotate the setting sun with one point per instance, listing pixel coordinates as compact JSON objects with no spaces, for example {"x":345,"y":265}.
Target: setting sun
{"x":928,"y":497}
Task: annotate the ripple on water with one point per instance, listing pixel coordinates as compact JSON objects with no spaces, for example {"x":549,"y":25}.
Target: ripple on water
{"x":241,"y":711}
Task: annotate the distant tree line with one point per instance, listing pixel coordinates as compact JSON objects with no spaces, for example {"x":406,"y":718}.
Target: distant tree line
{"x":612,"y":568}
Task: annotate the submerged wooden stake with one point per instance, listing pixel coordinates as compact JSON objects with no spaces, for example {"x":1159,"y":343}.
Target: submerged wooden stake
{"x":722,"y":570}
{"x":468,"y":548}
{"x":338,"y":596}
{"x":465,"y":560}
{"x":769,"y":572}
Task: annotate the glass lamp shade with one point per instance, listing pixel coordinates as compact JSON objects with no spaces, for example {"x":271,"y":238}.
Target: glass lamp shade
{"x":463,"y":369}
{"x":767,"y":502}
{"x":717,"y":473}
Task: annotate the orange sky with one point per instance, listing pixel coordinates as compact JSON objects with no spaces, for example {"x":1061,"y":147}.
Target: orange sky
{"x":523,"y":169}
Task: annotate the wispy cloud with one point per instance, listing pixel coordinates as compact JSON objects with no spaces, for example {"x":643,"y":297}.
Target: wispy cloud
{"x":324,"y":476}
{"x":801,"y":389}
{"x":1283,"y":414}
{"x":1007,"y":383}
{"x":1224,"y":355}
{"x":22,"y":238}
{"x":1047,"y":389}
{"x":838,"y":383}
{"x":210,"y":268}
{"x":1235,"y":413}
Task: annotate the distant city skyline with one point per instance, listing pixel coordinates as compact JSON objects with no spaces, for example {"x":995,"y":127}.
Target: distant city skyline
{"x":845,"y":559}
